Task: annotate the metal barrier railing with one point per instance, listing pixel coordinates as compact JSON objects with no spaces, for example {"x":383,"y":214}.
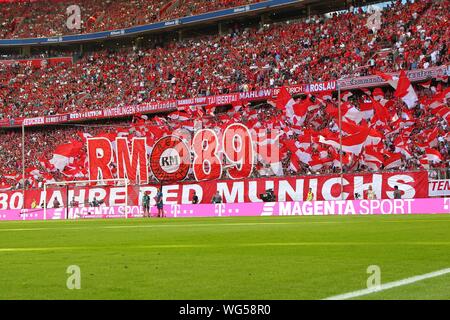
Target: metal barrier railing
{"x":439,"y":174}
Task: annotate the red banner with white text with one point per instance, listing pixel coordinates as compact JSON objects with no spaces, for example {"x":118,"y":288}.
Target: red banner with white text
{"x":326,"y":187}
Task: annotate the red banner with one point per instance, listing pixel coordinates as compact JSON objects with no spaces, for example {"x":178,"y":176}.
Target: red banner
{"x":327,"y":187}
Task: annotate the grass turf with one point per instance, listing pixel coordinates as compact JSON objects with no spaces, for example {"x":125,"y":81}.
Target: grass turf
{"x":224,"y":258}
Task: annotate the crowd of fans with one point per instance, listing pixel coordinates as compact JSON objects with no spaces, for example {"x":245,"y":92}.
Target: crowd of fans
{"x":49,"y":18}
{"x":319,"y":48}
{"x":314,"y":49}
{"x":41,"y":142}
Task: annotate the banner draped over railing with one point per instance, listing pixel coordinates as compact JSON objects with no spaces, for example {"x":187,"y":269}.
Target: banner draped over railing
{"x":324,"y":187}
{"x":299,"y":208}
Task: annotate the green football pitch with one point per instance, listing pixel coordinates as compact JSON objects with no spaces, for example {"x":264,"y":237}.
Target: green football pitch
{"x":225,"y":258}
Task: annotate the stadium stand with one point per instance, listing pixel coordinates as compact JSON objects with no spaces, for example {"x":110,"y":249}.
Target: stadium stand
{"x":47,"y":18}
{"x":318,"y":48}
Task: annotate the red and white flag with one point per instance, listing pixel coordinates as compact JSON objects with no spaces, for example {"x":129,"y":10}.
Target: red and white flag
{"x":4,"y":186}
{"x":65,"y":154}
{"x":373,"y":155}
{"x":316,"y":164}
{"x":11,"y":176}
{"x":179,"y":115}
{"x":345,"y":95}
{"x":296,"y":113}
{"x":378,"y":94}
{"x":393,"y":161}
{"x":402,"y":86}
{"x":352,"y":143}
{"x":433,"y":155}
{"x":443,"y":112}
{"x":424,"y":163}
{"x":405,"y":91}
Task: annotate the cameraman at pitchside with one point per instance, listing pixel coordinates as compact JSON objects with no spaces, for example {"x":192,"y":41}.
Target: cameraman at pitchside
{"x":268,"y":196}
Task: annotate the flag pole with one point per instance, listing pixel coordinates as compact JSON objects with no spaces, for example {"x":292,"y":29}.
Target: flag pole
{"x":23,"y":163}
{"x":340,"y":140}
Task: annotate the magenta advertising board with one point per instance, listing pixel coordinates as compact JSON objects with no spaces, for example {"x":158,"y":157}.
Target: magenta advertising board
{"x":300,"y":208}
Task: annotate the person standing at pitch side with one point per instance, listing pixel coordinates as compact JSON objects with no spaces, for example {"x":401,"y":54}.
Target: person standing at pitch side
{"x":195,"y":198}
{"x":146,"y":204}
{"x":159,"y":203}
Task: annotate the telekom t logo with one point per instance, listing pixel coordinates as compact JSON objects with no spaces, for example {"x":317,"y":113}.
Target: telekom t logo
{"x":175,"y":209}
{"x":447,"y":204}
{"x":220,"y":208}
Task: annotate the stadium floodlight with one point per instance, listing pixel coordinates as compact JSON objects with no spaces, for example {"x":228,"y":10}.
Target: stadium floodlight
{"x":101,"y":182}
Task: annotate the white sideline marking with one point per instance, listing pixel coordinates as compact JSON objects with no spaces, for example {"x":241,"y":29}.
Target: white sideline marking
{"x":162,"y":246}
{"x":389,"y":285}
{"x":188,"y":225}
{"x":232,"y":245}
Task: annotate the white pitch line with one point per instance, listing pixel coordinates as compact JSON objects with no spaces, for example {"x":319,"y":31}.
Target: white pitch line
{"x":185,"y":225}
{"x":236,"y":245}
{"x":211,"y":223}
{"x":389,"y":285}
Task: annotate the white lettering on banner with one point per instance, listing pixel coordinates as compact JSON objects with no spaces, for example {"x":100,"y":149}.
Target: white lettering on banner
{"x":253,"y":192}
{"x":55,"y":195}
{"x":153,"y":191}
{"x":318,"y":87}
{"x":248,"y":190}
{"x":328,"y":185}
{"x":168,"y":194}
{"x":86,"y":114}
{"x":4,"y":201}
{"x":117,"y":33}
{"x":295,"y":194}
{"x":98,"y":193}
{"x":361,"y":187}
{"x":33,"y":121}
{"x":237,"y":10}
{"x":16,"y":201}
{"x":56,"y":119}
{"x":186,"y":194}
{"x":235,"y":195}
{"x":172,"y":23}
{"x":408,"y":192}
{"x":77,"y":198}
{"x":118,"y":196}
